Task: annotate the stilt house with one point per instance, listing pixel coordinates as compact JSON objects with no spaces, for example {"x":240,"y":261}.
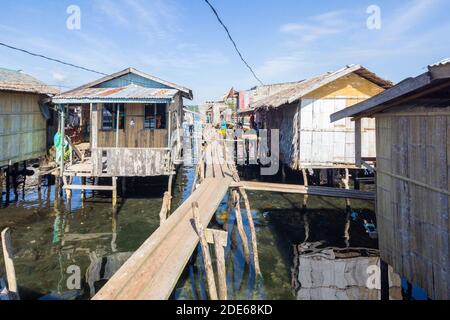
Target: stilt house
{"x":24,"y":116}
{"x":413,"y":175}
{"x":133,"y":122}
{"x":301,"y":112}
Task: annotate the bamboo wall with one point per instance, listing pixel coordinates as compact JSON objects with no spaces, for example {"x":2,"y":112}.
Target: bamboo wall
{"x":413,"y":183}
{"x":23,"y":129}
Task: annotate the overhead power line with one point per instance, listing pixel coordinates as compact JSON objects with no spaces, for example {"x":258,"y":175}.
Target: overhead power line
{"x":64,"y":63}
{"x":233,"y":42}
{"x":51,"y":59}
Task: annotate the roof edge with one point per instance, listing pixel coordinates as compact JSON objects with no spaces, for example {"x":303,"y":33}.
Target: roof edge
{"x":187,"y":93}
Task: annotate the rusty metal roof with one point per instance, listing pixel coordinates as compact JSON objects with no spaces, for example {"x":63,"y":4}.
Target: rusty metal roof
{"x":297,"y":91}
{"x":187,"y":93}
{"x":11,"y":80}
{"x":129,"y":94}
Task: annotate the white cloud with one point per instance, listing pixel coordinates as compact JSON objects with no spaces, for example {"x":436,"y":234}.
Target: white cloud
{"x":348,"y":40}
{"x":316,"y":27}
{"x":59,"y":77}
{"x":155,"y":19}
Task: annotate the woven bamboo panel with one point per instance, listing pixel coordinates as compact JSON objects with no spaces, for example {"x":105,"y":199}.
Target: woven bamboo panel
{"x":413,"y":200}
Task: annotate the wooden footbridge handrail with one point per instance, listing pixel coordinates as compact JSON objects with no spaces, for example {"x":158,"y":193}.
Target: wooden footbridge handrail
{"x":309,"y":190}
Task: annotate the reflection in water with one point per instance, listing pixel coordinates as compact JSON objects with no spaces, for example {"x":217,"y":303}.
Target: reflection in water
{"x":48,"y":240}
{"x":331,"y":262}
{"x":339,"y":274}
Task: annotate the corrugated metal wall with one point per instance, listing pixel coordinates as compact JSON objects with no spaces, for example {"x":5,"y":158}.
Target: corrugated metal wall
{"x":323,"y":143}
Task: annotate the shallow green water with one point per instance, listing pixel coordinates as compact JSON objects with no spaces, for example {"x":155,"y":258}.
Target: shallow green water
{"x":49,"y":241}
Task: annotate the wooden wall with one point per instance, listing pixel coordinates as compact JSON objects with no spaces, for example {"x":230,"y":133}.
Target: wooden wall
{"x":132,"y":137}
{"x":23,"y":129}
{"x":413,"y":183}
{"x":283,"y":121}
{"x":131,"y":162}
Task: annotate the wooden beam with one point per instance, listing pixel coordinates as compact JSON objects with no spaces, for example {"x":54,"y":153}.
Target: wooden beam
{"x":358,"y":143}
{"x":220,"y":239}
{"x":9,"y":264}
{"x":311,"y":190}
{"x":252,"y":231}
{"x":212,"y":291}
{"x":164,"y":208}
{"x":114,"y":192}
{"x":94,"y":126}
{"x":240,"y":225}
{"x":88,"y":187}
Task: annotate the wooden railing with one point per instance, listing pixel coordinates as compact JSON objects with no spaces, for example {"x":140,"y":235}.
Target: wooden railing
{"x":131,"y":162}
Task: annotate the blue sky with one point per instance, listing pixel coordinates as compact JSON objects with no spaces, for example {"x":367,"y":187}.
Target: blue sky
{"x":181,"y":41}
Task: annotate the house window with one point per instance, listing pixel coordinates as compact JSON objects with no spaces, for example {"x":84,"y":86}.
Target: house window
{"x":109,"y":116}
{"x":155,"y":116}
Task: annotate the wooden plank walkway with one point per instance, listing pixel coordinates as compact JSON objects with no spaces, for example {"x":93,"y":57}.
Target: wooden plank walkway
{"x":154,"y":269}
{"x":310,"y":190}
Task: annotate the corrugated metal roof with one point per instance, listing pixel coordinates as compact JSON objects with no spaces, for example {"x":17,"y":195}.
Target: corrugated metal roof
{"x":297,"y":91}
{"x":440,"y":63}
{"x":11,"y":80}
{"x":131,"y":93}
{"x":187,"y":93}
{"x":437,"y":77}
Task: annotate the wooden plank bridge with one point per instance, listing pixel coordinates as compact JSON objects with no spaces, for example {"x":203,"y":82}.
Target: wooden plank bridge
{"x":153,"y":270}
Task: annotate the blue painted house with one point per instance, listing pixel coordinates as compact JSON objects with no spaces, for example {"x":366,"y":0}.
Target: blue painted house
{"x":133,"y":121}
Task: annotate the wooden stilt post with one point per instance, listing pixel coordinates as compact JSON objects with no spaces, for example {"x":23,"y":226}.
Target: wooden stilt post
{"x":384,"y":273}
{"x":202,"y":168}
{"x":356,"y":180}
{"x":206,"y":255}
{"x":68,"y":182}
{"x":165,"y":208}
{"x":346,"y":181}
{"x":330,"y":177}
{"x":15,"y":183}
{"x":2,"y":178}
{"x":240,"y":225}
{"x":56,"y":175}
{"x":220,"y":239}
{"x":124,"y":186}
{"x":252,"y":229}
{"x":283,"y":173}
{"x":194,"y":183}
{"x":169,"y":190}
{"x":24,"y":174}
{"x":83,"y":192}
{"x":8,"y":185}
{"x":114,"y":192}
{"x":305,"y":183}
{"x":9,"y":264}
